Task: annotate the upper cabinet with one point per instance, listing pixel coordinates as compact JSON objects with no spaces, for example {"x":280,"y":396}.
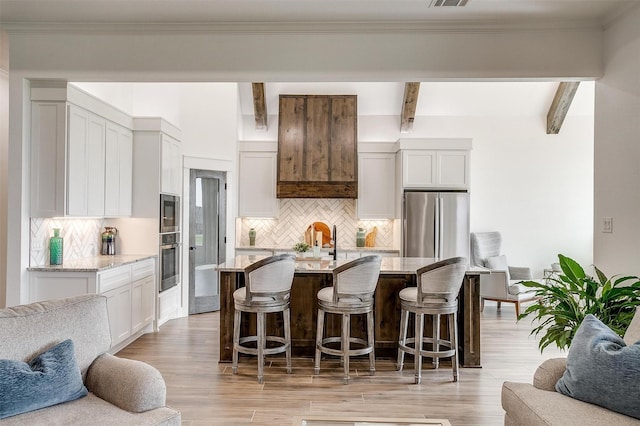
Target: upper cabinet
{"x":441,"y":169}
{"x":317,"y":147}
{"x":171,"y":166}
{"x":257,"y":183}
{"x":72,"y":160}
{"x":376,"y":192}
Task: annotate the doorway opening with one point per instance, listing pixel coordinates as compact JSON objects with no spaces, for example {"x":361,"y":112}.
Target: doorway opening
{"x":207,"y":238}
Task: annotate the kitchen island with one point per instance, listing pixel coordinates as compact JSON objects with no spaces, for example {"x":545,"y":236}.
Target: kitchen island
{"x":310,"y":276}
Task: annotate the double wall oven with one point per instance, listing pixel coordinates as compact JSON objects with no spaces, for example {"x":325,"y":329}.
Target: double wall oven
{"x":169,"y":241}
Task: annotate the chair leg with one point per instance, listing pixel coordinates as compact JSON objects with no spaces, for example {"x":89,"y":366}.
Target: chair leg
{"x":436,"y":339}
{"x":402,"y":339}
{"x":319,"y":334}
{"x":453,"y":333}
{"x":346,"y":335}
{"x":286,"y":314}
{"x":517,"y":309}
{"x":481,"y":304}
{"x":261,"y":345}
{"x":499,"y":303}
{"x":418,"y":348}
{"x":371,"y":342}
{"x":237,"y":317}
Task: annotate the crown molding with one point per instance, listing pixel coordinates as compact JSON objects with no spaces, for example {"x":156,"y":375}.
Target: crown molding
{"x":341,"y":27}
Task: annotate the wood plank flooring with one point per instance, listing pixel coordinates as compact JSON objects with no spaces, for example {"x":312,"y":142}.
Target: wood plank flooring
{"x":186,"y":351}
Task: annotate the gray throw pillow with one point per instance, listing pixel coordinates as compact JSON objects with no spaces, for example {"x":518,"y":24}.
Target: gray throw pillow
{"x":50,"y":378}
{"x":602,"y":369}
{"x":498,"y":263}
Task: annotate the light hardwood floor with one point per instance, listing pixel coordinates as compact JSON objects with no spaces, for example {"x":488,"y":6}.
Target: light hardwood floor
{"x":207,"y":393}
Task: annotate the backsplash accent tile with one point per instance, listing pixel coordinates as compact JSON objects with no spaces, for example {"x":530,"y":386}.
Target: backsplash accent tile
{"x":297,"y":214}
{"x":81,"y":238}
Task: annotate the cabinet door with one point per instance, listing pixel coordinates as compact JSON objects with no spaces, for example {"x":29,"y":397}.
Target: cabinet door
{"x":95,"y":165}
{"x":376,"y":186}
{"x":119,"y":310}
{"x":453,"y":169}
{"x":257,"y":185}
{"x":77,"y":161}
{"x":48,"y":141}
{"x":418,"y":169}
{"x":171,"y":179}
{"x":142,"y":296}
{"x":119,"y":171}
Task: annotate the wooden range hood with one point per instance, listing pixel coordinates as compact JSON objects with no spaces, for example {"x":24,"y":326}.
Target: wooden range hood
{"x":317,"y":146}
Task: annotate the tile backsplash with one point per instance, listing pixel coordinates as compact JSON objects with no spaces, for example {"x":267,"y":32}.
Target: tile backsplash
{"x":81,"y":238}
{"x":297,"y":214}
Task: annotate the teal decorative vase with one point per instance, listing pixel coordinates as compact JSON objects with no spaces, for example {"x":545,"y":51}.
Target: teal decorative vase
{"x":252,"y":237}
{"x":360,"y":237}
{"x":55,"y":248}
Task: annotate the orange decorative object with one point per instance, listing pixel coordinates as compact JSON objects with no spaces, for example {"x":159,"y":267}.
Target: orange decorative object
{"x":370,"y":239}
{"x":319,"y":227}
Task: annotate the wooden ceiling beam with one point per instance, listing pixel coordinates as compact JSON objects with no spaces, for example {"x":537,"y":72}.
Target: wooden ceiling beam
{"x":409,"y":106}
{"x":560,"y":105}
{"x":259,"y":106}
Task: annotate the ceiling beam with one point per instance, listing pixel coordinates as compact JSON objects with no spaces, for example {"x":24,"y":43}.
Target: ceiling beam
{"x":409,"y":106}
{"x":259,"y":106}
{"x":560,"y":105}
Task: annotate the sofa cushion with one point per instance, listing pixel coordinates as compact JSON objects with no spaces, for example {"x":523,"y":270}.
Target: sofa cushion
{"x":498,"y":263}
{"x":50,"y":378}
{"x":602,"y":369}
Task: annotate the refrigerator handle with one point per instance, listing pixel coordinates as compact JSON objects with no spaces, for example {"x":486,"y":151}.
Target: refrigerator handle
{"x":441,"y":224}
{"x":437,"y":227}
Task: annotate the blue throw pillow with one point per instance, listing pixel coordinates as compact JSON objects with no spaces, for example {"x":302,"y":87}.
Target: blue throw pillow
{"x":50,"y":378}
{"x":602,"y":370}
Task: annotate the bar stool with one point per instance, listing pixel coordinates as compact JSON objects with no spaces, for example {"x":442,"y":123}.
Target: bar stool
{"x":267,"y":290}
{"x":436,"y":294}
{"x":354,"y":285}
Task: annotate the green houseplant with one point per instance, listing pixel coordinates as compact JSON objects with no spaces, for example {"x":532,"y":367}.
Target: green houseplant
{"x":300,"y":248}
{"x":564,"y":300}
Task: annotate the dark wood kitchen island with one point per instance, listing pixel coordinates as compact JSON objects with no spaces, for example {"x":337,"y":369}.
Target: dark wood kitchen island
{"x":396,"y":273}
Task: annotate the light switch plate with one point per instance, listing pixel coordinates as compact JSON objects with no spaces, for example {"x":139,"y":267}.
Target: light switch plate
{"x":607,"y":225}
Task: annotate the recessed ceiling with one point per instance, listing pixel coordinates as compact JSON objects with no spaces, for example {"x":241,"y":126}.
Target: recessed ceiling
{"x":199,"y":11}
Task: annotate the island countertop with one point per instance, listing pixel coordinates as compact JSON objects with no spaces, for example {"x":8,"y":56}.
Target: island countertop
{"x":389,"y":265}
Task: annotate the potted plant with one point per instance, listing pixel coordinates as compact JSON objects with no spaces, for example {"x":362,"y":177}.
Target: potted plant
{"x":300,"y":248}
{"x":564,"y":300}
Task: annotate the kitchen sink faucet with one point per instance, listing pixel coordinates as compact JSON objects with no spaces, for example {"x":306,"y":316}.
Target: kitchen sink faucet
{"x":334,"y":253}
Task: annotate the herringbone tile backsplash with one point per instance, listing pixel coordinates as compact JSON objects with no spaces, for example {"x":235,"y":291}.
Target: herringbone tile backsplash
{"x":297,"y":214}
{"x":81,"y":238}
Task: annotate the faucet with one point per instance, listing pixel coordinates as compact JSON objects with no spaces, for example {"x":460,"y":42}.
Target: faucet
{"x":334,"y":253}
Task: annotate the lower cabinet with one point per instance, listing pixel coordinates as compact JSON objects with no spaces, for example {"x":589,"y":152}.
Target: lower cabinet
{"x":130,"y":290}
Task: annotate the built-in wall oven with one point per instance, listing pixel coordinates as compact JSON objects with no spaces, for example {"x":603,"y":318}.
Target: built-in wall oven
{"x":169,"y":213}
{"x":169,"y":260}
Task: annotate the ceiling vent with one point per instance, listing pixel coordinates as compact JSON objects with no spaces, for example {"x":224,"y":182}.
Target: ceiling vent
{"x":441,"y":3}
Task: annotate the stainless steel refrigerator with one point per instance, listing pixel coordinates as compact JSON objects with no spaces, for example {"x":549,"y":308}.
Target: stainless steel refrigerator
{"x":435,"y":224}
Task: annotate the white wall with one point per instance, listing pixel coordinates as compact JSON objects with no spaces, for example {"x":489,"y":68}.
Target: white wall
{"x":4,"y":158}
{"x":617,"y":150}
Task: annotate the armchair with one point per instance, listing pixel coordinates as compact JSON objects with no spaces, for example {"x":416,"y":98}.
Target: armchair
{"x":501,"y":285}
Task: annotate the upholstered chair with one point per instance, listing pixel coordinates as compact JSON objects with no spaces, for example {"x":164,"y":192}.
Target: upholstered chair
{"x":503,"y":283}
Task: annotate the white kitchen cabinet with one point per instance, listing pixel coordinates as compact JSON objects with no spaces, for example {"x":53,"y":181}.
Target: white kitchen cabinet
{"x":130,"y":290}
{"x":119,"y":171}
{"x":442,"y":169}
{"x":85,"y":163}
{"x":376,"y":186}
{"x":171,"y":182}
{"x":71,"y":169}
{"x":257,"y":185}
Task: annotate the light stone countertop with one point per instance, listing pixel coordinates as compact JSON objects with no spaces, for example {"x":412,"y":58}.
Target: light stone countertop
{"x":345,"y":249}
{"x":93,"y":264}
{"x":390,"y":265}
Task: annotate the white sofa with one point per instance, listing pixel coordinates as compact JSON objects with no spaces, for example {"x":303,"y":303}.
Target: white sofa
{"x":540,"y":404}
{"x":121,"y":391}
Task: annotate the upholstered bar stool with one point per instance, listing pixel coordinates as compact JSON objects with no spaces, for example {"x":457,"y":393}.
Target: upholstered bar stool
{"x":436,"y":294}
{"x":267,"y":290}
{"x":354,"y":285}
